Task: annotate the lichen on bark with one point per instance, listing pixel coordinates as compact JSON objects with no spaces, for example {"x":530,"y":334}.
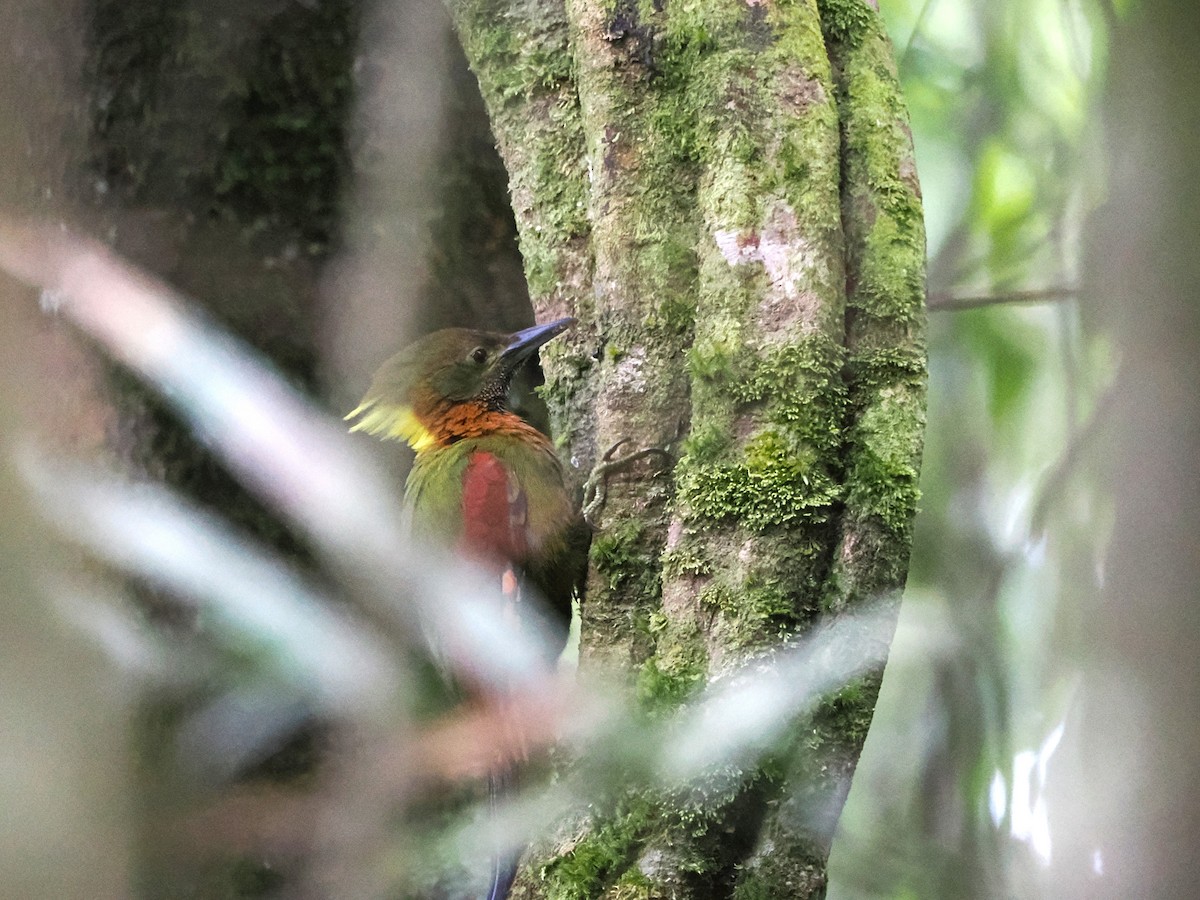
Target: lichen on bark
{"x":724,"y":193}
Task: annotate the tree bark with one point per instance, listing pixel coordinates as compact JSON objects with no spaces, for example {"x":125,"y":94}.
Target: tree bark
{"x":725,"y":195}
{"x":215,"y":158}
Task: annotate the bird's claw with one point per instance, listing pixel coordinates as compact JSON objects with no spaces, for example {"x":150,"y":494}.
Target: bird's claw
{"x":595,"y":489}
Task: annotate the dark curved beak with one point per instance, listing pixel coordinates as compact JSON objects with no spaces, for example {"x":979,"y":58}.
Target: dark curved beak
{"x":523,"y":344}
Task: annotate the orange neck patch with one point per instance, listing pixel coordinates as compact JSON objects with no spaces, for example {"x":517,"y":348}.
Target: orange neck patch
{"x":450,"y":422}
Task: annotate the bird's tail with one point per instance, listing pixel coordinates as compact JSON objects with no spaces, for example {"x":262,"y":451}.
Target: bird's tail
{"x":502,"y":782}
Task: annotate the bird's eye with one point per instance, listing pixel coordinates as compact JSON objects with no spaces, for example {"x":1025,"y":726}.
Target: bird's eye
{"x":479,"y":354}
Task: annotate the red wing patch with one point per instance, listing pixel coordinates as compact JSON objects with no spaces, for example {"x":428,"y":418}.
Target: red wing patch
{"x":494,"y":512}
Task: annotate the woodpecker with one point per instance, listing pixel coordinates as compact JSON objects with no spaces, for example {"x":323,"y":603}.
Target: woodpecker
{"x":484,"y":480}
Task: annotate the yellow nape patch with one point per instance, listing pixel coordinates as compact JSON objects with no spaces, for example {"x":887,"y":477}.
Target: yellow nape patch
{"x":399,"y":423}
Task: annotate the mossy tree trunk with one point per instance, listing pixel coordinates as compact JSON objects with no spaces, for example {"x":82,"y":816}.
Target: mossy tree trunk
{"x":724,"y":194}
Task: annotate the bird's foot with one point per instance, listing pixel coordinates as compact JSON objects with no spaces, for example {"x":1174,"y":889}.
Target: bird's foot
{"x":595,"y":489}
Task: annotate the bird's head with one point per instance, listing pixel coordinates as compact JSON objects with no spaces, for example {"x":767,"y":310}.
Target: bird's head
{"x":453,"y":378}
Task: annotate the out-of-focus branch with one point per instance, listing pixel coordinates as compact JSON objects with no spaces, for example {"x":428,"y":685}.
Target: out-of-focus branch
{"x":945,"y":301}
{"x":1068,"y":463}
{"x":736,"y":721}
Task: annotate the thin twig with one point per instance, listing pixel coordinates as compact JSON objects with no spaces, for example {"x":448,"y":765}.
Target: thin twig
{"x":947,"y":302}
{"x":917,"y":26}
